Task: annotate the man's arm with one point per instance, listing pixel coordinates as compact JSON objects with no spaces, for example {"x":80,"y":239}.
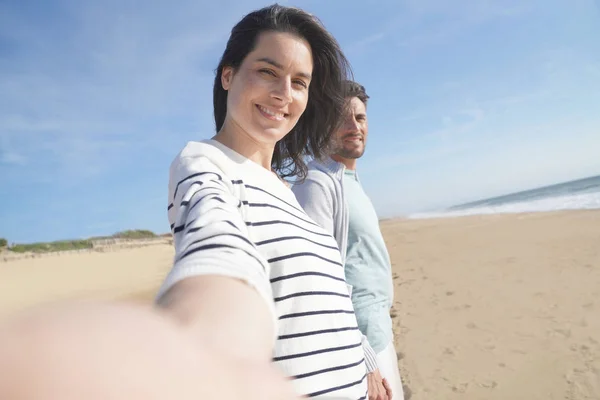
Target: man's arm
{"x":318,"y":202}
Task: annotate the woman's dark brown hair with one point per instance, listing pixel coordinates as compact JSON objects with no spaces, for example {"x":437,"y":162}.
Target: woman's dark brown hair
{"x":325,"y":105}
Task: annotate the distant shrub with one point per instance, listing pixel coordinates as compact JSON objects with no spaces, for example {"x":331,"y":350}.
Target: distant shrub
{"x":62,"y":245}
{"x":135,"y":234}
{"x":66,"y":245}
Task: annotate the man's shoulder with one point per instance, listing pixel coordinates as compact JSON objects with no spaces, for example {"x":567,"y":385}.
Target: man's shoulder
{"x":316,"y":169}
{"x":326,"y":168}
{"x":316,"y":193}
{"x":317,"y":174}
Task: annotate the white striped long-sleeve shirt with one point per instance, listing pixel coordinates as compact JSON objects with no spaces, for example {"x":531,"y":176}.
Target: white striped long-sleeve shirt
{"x":229,"y":216}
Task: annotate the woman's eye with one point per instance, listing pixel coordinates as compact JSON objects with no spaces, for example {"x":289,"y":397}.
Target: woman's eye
{"x":300,"y":83}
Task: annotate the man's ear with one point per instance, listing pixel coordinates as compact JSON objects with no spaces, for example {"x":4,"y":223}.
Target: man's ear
{"x":226,"y":77}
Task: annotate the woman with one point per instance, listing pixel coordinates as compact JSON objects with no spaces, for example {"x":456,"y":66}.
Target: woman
{"x":277,"y":96}
{"x":255,"y":282}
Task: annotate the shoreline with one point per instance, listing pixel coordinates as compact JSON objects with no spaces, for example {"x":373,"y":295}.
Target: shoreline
{"x":466,"y":213}
{"x":119,"y":244}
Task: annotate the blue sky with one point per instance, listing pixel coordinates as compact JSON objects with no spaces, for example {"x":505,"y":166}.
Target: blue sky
{"x":469,"y":99}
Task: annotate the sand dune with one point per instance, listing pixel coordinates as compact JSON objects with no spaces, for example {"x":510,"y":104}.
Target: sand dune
{"x":487,"y":307}
{"x":119,"y":273}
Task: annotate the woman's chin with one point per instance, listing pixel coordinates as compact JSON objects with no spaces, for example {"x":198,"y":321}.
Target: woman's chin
{"x":270,"y":134}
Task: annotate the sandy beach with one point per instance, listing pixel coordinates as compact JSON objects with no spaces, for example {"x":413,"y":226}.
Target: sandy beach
{"x":499,"y":307}
{"x":486,"y":307}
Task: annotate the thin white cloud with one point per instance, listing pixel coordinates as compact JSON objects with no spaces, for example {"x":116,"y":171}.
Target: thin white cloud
{"x":419,"y":24}
{"x":452,"y":139}
{"x":8,"y":155}
{"x":12,"y":158}
{"x":364,"y":43}
{"x":469,"y":10}
{"x":593,"y":69}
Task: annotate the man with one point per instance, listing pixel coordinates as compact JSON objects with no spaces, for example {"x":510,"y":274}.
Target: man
{"x":332,"y":195}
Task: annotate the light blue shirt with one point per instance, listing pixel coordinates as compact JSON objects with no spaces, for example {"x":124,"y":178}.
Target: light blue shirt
{"x":368,"y":266}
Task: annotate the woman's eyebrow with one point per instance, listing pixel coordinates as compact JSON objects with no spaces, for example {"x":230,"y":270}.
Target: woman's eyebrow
{"x":279,"y":66}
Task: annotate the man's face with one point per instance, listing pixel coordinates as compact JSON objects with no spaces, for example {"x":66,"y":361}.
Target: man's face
{"x":350,"y":140}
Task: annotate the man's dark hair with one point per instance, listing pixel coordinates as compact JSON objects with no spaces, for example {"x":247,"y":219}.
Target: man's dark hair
{"x":354,"y":89}
{"x":326,"y":100}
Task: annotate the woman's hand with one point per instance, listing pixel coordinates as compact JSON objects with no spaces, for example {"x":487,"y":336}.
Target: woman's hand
{"x":116,"y":351}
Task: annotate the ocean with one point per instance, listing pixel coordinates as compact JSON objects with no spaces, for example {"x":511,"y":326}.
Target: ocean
{"x":581,"y":194}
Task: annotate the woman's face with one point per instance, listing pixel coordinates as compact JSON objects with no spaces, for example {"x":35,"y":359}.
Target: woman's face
{"x":268,"y":93}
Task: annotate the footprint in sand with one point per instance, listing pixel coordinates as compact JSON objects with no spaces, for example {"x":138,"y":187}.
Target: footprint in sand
{"x":489,"y":384}
{"x":460,"y":387}
{"x":584,"y":381}
{"x":588,"y":306}
{"x":566,"y":333}
{"x":583,"y":384}
{"x":407,"y":392}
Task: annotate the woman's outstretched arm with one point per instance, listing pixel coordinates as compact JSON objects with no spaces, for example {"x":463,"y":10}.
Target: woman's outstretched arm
{"x":112,"y":351}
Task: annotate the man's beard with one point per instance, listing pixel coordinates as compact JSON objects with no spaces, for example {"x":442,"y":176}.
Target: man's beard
{"x":349,"y":153}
